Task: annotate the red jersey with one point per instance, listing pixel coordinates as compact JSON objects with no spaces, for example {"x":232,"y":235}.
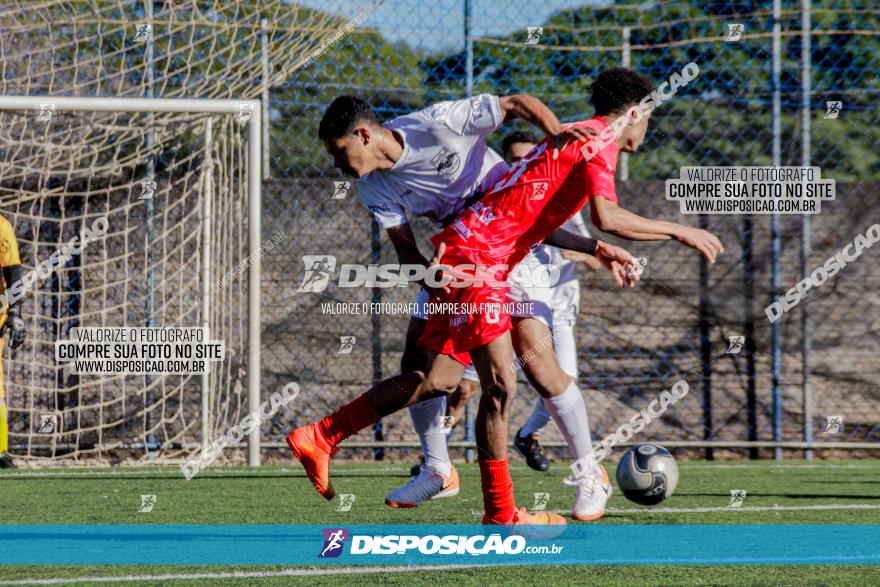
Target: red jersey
{"x":528,"y":204}
{"x":534,"y":198}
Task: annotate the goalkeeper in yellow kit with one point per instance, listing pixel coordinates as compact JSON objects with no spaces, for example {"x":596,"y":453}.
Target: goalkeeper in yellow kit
{"x":10,"y":322}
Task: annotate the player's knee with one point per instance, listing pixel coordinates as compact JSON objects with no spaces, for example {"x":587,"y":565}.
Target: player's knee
{"x":547,"y":378}
{"x":502,"y":386}
{"x":437,"y":384}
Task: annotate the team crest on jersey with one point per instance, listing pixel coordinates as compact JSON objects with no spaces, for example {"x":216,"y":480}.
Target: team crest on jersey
{"x":539,"y":190}
{"x":483,"y":212}
{"x":440,"y":110}
{"x":446,"y":162}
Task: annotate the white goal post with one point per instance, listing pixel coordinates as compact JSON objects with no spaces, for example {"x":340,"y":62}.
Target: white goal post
{"x":249,"y":113}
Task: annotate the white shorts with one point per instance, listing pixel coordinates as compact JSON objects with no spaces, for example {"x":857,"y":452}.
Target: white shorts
{"x":556,"y":307}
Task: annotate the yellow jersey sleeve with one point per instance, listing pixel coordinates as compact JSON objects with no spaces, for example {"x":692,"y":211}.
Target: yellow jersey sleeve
{"x":8,"y":245}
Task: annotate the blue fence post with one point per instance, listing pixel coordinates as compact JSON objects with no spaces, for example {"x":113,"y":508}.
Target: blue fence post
{"x":705,"y":349}
{"x":376,"y":327}
{"x":776,"y":244}
{"x":749,"y":331}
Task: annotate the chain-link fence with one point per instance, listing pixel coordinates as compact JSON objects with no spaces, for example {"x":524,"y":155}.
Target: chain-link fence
{"x":767,"y":94}
{"x":678,"y":322}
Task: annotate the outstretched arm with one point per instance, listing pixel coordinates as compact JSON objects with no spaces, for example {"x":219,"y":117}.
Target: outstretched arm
{"x":615,"y":259}
{"x":611,"y":218}
{"x":530,"y":109}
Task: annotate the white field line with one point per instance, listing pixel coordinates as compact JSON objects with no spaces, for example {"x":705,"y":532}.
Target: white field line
{"x":706,"y":510}
{"x":236,"y":575}
{"x":171,"y":471}
{"x":754,"y":508}
{"x":781,"y":466}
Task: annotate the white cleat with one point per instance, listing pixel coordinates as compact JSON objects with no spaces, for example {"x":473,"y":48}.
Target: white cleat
{"x":593,"y":491}
{"x":429,"y":484}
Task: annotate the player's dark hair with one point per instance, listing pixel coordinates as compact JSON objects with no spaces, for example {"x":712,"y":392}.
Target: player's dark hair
{"x":343,"y":115}
{"x":519,"y":136}
{"x":618,"y":88}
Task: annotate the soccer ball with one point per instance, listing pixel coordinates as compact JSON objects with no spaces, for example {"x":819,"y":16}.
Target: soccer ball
{"x":647,"y":474}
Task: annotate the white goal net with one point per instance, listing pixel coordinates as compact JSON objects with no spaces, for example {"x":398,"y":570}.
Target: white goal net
{"x":169,"y":226}
{"x":175,"y":257}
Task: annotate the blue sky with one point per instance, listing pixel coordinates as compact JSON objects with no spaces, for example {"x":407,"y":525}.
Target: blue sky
{"x":439,"y":24}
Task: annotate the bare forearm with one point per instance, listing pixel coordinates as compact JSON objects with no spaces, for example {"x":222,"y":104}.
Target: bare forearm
{"x":531,"y":110}
{"x":631,"y":226}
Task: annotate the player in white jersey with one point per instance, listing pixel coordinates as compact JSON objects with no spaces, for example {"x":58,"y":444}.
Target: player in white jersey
{"x":430,"y":163}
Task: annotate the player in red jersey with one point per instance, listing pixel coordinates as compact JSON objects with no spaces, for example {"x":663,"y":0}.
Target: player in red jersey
{"x":534,"y":199}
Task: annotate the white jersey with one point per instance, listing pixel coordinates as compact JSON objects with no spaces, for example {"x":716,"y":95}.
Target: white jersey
{"x":445,"y":161}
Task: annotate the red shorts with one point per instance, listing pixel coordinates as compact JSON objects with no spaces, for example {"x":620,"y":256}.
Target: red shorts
{"x":473,"y":316}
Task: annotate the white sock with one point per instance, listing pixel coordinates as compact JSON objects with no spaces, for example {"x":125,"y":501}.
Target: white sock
{"x":427,"y":418}
{"x":570,"y":413}
{"x":537,"y":421}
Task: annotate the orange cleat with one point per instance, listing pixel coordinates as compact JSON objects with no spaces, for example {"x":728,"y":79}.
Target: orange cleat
{"x":313,"y":451}
{"x":540,"y":526}
{"x":522,"y":517}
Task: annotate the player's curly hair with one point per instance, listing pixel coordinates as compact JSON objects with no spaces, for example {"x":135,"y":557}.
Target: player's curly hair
{"x":519,"y":136}
{"x":343,"y":115}
{"x":618,"y":88}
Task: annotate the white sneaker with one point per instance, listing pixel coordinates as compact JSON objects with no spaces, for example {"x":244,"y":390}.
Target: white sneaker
{"x":429,"y":484}
{"x":593,"y":491}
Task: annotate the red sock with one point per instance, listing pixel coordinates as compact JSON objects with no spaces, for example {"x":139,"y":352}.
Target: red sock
{"x":497,"y":492}
{"x":348,"y":420}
